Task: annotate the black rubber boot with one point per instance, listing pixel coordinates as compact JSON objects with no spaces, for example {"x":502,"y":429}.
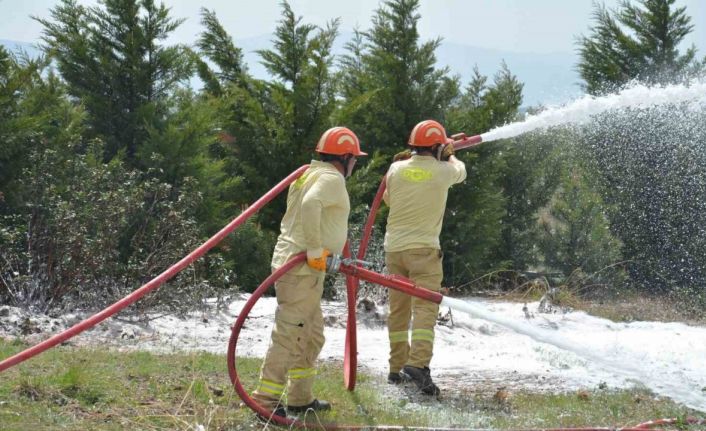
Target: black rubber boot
{"x":394,"y":378}
{"x":422,"y":378}
{"x":316,"y":405}
{"x":278,"y":411}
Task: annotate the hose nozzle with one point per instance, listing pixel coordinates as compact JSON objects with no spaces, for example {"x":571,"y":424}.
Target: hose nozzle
{"x":333,"y":263}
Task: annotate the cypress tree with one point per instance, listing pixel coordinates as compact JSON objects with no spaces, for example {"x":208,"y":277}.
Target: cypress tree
{"x":112,"y":60}
{"x":636,"y":42}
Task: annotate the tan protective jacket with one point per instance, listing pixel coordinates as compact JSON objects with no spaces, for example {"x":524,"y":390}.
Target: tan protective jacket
{"x":416,"y":193}
{"x":316,"y":216}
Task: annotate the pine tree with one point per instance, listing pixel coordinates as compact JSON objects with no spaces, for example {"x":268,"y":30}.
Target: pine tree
{"x":575,"y":230}
{"x":482,"y":106}
{"x":267,"y":129}
{"x":112,"y":60}
{"x":301,"y":95}
{"x":217,"y":45}
{"x":478,"y":217}
{"x":35,"y":113}
{"x":635,"y":43}
{"x":270,"y":128}
{"x":390,"y":81}
{"x":16,"y":128}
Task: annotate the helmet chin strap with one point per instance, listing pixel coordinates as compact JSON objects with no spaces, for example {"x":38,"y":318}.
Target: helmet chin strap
{"x":348,"y":164}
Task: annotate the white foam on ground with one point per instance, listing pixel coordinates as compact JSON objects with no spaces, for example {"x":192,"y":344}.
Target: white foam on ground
{"x":549,"y":352}
{"x":660,"y":356}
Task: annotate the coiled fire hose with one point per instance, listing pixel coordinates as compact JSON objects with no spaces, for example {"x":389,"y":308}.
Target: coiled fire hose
{"x":351,"y":268}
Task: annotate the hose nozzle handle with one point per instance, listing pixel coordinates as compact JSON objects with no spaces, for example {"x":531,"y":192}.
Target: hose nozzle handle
{"x":334,"y":261}
{"x":358,"y":262}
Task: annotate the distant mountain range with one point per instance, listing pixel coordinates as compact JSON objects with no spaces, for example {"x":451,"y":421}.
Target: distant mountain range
{"x":548,"y":78}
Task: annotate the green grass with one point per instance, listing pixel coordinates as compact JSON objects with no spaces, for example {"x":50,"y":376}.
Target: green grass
{"x":100,"y":389}
{"x":606,"y":408}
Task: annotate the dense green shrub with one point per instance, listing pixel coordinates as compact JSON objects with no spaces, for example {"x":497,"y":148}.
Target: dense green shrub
{"x":91,"y":232}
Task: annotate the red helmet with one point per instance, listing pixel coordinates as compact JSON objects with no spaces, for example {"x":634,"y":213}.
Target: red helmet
{"x":428,"y":133}
{"x":339,"y":141}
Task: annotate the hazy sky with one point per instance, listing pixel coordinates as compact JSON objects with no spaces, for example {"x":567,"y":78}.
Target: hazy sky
{"x":516,"y":25}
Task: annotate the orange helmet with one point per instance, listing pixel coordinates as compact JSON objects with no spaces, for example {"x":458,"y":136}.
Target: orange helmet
{"x":339,"y":141}
{"x":428,"y":133}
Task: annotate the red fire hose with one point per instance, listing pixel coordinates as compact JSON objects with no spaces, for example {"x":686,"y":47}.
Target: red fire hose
{"x":350,"y":352}
{"x":353,"y":274}
{"x":232,"y":370}
{"x":402,"y":284}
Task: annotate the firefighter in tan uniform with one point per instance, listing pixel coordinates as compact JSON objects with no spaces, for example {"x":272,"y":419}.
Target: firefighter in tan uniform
{"x":416,"y":189}
{"x":316,"y":221}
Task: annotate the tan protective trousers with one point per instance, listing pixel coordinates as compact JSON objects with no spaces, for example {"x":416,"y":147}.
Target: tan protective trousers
{"x":424,"y":267}
{"x":297,"y":339}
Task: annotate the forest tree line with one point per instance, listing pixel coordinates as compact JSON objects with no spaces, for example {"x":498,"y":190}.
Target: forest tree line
{"x":112,"y":167}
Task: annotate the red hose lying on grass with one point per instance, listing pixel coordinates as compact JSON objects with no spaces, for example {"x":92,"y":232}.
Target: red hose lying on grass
{"x":350,"y":361}
{"x":391,"y":281}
